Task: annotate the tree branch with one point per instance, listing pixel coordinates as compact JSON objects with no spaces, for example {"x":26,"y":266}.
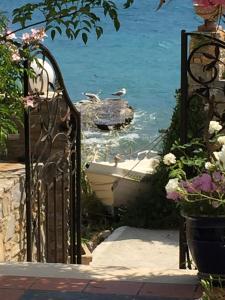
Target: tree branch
{"x":38,"y":23}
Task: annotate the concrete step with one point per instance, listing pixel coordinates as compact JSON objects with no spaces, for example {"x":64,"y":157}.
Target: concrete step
{"x":137,"y":247}
{"x":99,"y":273}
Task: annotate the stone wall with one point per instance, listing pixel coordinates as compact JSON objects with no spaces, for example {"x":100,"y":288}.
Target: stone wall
{"x":13,"y":217}
{"x":207,"y":64}
{"x":12,"y":212}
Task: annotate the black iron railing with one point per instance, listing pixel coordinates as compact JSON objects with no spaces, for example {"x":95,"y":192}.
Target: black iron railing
{"x":53,"y":165}
{"x":202,"y":72}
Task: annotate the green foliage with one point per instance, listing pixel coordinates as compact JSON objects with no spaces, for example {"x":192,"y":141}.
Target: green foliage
{"x":71,"y":17}
{"x":154,"y":210}
{"x":196,"y":121}
{"x":12,"y":56}
{"x":213,"y":288}
{"x":191,"y":158}
{"x":10,"y":89}
{"x":95,"y":217}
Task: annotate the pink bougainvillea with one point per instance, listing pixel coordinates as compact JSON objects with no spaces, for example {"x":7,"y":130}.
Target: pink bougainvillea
{"x":28,"y":101}
{"x":208,"y":3}
{"x":36,"y":35}
{"x":16,"y":56}
{"x":10,"y":35}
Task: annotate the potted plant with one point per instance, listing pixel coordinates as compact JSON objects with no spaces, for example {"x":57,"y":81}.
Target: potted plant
{"x":200,"y":194}
{"x":211,"y":11}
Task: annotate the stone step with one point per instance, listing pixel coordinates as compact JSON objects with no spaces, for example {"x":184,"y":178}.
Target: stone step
{"x":99,"y":273}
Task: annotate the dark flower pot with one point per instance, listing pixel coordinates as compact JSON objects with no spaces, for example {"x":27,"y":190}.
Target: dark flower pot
{"x":206,"y":241}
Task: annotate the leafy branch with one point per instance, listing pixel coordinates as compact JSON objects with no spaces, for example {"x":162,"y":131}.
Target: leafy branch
{"x":72,"y":17}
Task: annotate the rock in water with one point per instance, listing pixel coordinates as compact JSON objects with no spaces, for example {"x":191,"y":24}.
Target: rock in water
{"x":106,"y":115}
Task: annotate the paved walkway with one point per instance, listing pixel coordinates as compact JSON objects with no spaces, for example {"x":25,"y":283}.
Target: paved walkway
{"x":132,"y":264}
{"x":136,"y":247}
{"x":32,"y":288}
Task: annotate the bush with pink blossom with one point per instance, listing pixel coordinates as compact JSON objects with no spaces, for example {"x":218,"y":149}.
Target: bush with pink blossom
{"x":203,"y":194}
{"x":13,"y":51}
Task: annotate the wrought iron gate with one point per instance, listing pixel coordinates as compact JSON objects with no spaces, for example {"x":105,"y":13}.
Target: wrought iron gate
{"x":202,"y":76}
{"x":53,"y":164}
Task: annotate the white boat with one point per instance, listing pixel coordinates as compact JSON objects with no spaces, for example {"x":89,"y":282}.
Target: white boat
{"x":118,"y":184}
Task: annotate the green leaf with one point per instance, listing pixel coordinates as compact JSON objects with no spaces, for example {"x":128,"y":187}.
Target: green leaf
{"x":76,"y":33}
{"x":128,"y":3}
{"x":87,"y":23}
{"x":86,"y":29}
{"x":116,"y":24}
{"x":84,"y":37}
{"x":99,"y":32}
{"x":53,"y":34}
{"x":58,"y":29}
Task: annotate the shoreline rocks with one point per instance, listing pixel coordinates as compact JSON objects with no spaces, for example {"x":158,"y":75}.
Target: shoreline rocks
{"x":107,"y":114}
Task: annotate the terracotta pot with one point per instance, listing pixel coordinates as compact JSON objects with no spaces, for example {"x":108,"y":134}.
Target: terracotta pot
{"x":210,"y":14}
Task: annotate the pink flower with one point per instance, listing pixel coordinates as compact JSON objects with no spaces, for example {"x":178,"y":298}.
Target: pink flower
{"x":16,"y":56}
{"x":173,"y":196}
{"x":204,"y":183}
{"x":217,"y":176}
{"x":208,"y":3}
{"x":28,"y":101}
{"x":26,"y":37}
{"x":36,"y":35}
{"x":34,"y":31}
{"x":188,"y":186}
{"x":201,"y":183}
{"x":10,"y":35}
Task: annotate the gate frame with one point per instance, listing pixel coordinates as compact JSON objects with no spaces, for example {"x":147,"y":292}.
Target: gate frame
{"x":75,"y":192}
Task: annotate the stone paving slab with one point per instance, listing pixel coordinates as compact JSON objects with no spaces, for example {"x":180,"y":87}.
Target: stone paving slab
{"x":36,"y":288}
{"x":44,"y":295}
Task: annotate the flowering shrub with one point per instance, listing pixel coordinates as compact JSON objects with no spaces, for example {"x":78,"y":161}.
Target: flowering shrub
{"x":203,"y":194}
{"x":13,"y":51}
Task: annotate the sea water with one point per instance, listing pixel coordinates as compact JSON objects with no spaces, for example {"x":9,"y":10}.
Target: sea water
{"x":143,"y":57}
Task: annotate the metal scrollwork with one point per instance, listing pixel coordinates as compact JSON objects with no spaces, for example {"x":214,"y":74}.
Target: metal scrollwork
{"x":210,"y":51}
{"x":202,"y":96}
{"x":52,"y":151}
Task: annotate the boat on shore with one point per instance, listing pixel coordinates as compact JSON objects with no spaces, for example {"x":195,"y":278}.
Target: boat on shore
{"x":119,"y":183}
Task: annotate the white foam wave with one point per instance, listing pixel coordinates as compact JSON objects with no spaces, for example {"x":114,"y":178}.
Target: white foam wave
{"x":130,"y":137}
{"x":143,"y":115}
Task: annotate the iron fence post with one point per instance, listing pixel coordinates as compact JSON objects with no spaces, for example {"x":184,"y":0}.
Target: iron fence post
{"x":78,"y":190}
{"x":27,"y":168}
{"x":183,"y":136}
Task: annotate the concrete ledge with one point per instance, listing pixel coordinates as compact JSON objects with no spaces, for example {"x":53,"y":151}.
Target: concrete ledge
{"x":98,"y":273}
{"x":86,"y":257}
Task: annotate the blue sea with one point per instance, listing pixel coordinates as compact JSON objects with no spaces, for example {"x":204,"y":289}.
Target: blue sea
{"x":143,"y":57}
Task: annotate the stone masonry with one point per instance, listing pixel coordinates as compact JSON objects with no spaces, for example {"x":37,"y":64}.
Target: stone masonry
{"x":200,"y":68}
{"x":12,"y":212}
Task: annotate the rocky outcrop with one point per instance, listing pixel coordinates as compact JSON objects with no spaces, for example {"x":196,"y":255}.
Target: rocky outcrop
{"x":106,"y":114}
